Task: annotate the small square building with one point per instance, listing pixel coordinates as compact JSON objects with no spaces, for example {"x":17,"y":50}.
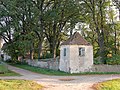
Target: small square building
{"x":76,"y":55}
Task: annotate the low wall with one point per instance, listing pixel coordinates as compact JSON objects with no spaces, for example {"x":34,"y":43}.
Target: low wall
{"x":106,"y":68}
{"x":45,"y":63}
{"x":54,"y":65}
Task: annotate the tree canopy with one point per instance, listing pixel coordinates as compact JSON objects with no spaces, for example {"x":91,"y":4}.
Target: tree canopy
{"x":37,"y":27}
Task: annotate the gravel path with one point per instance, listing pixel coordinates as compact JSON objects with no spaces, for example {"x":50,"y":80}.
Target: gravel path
{"x":82,"y":82}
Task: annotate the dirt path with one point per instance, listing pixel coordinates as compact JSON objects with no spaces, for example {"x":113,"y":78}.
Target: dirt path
{"x":82,"y":82}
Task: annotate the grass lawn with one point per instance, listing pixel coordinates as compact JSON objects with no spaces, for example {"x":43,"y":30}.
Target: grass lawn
{"x":3,"y":67}
{"x":108,"y":85}
{"x":19,"y":85}
{"x":5,"y":72}
{"x":41,"y":70}
{"x":10,"y":73}
{"x":58,"y":73}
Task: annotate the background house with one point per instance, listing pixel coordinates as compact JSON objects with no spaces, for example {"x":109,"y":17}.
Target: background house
{"x":1,"y":47}
{"x":3,"y":55}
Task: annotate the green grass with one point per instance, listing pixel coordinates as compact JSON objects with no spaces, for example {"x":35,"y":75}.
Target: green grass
{"x":3,"y":67}
{"x":41,"y":70}
{"x":19,"y":85}
{"x":108,"y":85}
{"x":58,"y":73}
{"x":9,"y":73}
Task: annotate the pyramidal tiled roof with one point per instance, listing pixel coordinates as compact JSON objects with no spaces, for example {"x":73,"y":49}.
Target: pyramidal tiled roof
{"x":76,"y":39}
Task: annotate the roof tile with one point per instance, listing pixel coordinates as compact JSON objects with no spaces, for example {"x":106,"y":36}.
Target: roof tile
{"x":76,"y":39}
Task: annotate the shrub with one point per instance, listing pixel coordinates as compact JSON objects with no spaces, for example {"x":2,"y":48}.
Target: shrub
{"x":114,"y":60}
{"x":46,"y":55}
{"x":97,"y":60}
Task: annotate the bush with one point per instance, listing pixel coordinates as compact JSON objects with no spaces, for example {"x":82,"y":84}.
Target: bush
{"x":114,"y":60}
{"x":97,"y":60}
{"x":46,"y":55}
{"x":12,"y":61}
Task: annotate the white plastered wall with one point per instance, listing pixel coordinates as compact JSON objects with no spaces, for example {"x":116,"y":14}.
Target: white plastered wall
{"x":1,"y":43}
{"x":64,"y":60}
{"x":74,"y":63}
{"x":80,"y":63}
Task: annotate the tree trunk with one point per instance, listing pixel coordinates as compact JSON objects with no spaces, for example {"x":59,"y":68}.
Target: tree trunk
{"x":102,"y":48}
{"x":32,"y":51}
{"x":71,"y":32}
{"x":31,"y":54}
{"x":39,"y":49}
{"x":101,"y":40}
{"x":53,"y":50}
{"x":119,"y":14}
{"x":115,"y":41}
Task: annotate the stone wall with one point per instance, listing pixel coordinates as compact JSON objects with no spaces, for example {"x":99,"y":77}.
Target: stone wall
{"x":106,"y":68}
{"x":45,"y":63}
{"x":54,"y":65}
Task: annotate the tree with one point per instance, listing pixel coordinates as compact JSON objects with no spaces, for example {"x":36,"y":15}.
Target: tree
{"x":57,"y":17}
{"x":16,"y":26}
{"x":95,"y":15}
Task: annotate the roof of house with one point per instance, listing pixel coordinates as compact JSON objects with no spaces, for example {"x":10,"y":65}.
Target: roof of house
{"x":76,"y":39}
